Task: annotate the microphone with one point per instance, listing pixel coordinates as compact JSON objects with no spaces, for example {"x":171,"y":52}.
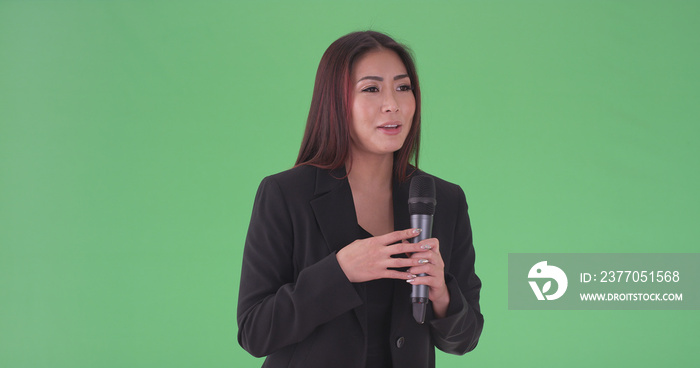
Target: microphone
{"x":421,"y":207}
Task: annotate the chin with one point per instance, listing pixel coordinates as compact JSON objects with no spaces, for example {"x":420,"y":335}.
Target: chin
{"x":392,"y":149}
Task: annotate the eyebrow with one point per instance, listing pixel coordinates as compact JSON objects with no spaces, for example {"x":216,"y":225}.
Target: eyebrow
{"x":380,"y":79}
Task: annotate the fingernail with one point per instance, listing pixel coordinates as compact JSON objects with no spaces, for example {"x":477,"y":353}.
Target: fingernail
{"x":417,"y":231}
{"x":411,"y":276}
{"x":422,"y":261}
{"x":426,"y":246}
{"x":410,"y":280}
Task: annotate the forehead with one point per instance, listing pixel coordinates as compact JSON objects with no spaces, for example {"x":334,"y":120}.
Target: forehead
{"x":381,"y":62}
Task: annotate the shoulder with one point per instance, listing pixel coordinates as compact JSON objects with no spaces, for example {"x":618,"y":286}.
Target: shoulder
{"x":301,"y":183}
{"x":299,"y":174}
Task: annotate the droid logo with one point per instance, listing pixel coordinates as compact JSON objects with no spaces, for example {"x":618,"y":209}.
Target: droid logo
{"x":543,"y":271}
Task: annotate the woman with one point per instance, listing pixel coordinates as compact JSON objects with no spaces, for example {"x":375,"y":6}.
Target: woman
{"x":326,"y":277}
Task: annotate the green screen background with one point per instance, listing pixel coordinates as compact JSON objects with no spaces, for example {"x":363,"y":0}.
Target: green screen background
{"x":133,"y":135}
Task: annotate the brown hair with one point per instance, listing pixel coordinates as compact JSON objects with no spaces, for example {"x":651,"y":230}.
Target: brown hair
{"x":326,"y":142}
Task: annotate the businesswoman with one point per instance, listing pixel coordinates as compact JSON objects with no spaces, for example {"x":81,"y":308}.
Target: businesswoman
{"x":328,"y":266}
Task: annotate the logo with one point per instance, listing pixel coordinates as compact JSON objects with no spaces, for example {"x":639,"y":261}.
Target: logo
{"x":543,"y":271}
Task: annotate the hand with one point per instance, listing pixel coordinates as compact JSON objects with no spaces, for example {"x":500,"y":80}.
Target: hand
{"x":370,"y":259}
{"x":430,"y":263}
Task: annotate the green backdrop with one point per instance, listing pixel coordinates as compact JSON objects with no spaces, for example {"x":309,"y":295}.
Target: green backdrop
{"x":133,"y":135}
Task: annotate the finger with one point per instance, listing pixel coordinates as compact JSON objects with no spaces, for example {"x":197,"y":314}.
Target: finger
{"x":397,"y":236}
{"x":430,"y":254}
{"x":425,"y":245}
{"x":427,"y":269}
{"x":393,"y":274}
{"x":420,"y":280}
{"x":430,"y":243}
{"x":403,"y":262}
{"x":423,"y":265}
{"x":417,"y":265}
{"x":408,"y":248}
{"x":428,"y":248}
{"x":430,"y":281}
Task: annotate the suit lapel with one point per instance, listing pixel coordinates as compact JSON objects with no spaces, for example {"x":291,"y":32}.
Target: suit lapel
{"x":400,"y":197}
{"x":334,"y":209}
{"x":335,"y":214}
{"x":402,"y":291}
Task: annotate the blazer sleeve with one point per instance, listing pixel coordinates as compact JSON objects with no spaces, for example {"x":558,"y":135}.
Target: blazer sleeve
{"x":459,"y":331}
{"x":277,"y":304}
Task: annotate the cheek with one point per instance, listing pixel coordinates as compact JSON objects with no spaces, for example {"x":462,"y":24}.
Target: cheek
{"x":361,"y":112}
{"x":410,"y":106}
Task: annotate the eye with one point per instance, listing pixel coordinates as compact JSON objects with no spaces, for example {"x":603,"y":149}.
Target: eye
{"x":404,"y":88}
{"x":370,"y":89}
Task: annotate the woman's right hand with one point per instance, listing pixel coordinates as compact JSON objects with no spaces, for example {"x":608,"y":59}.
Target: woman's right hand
{"x":370,"y":259}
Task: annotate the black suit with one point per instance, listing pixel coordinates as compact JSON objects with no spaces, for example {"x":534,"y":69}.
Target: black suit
{"x":297,"y":307}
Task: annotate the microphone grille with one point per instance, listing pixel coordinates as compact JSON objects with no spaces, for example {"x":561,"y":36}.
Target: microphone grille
{"x":421,"y":196}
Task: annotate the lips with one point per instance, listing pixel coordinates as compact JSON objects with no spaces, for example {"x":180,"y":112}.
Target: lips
{"x":390,"y":128}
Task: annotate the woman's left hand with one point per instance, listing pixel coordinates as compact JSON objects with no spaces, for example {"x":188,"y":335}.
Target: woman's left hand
{"x":434,"y":268}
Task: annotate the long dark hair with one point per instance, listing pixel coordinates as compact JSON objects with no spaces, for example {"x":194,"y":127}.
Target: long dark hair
{"x":326,"y":142}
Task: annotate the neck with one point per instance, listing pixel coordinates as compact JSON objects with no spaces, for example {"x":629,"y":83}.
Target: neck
{"x":371,"y":171}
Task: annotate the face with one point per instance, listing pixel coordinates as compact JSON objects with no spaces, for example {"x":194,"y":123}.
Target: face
{"x":382,"y":104}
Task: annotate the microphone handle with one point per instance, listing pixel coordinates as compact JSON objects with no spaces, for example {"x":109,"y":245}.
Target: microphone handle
{"x":419,"y":293}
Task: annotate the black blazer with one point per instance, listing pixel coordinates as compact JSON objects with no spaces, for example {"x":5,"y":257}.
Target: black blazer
{"x":297,"y":307}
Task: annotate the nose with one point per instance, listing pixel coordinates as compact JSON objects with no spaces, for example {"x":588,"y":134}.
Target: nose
{"x":390,"y":103}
